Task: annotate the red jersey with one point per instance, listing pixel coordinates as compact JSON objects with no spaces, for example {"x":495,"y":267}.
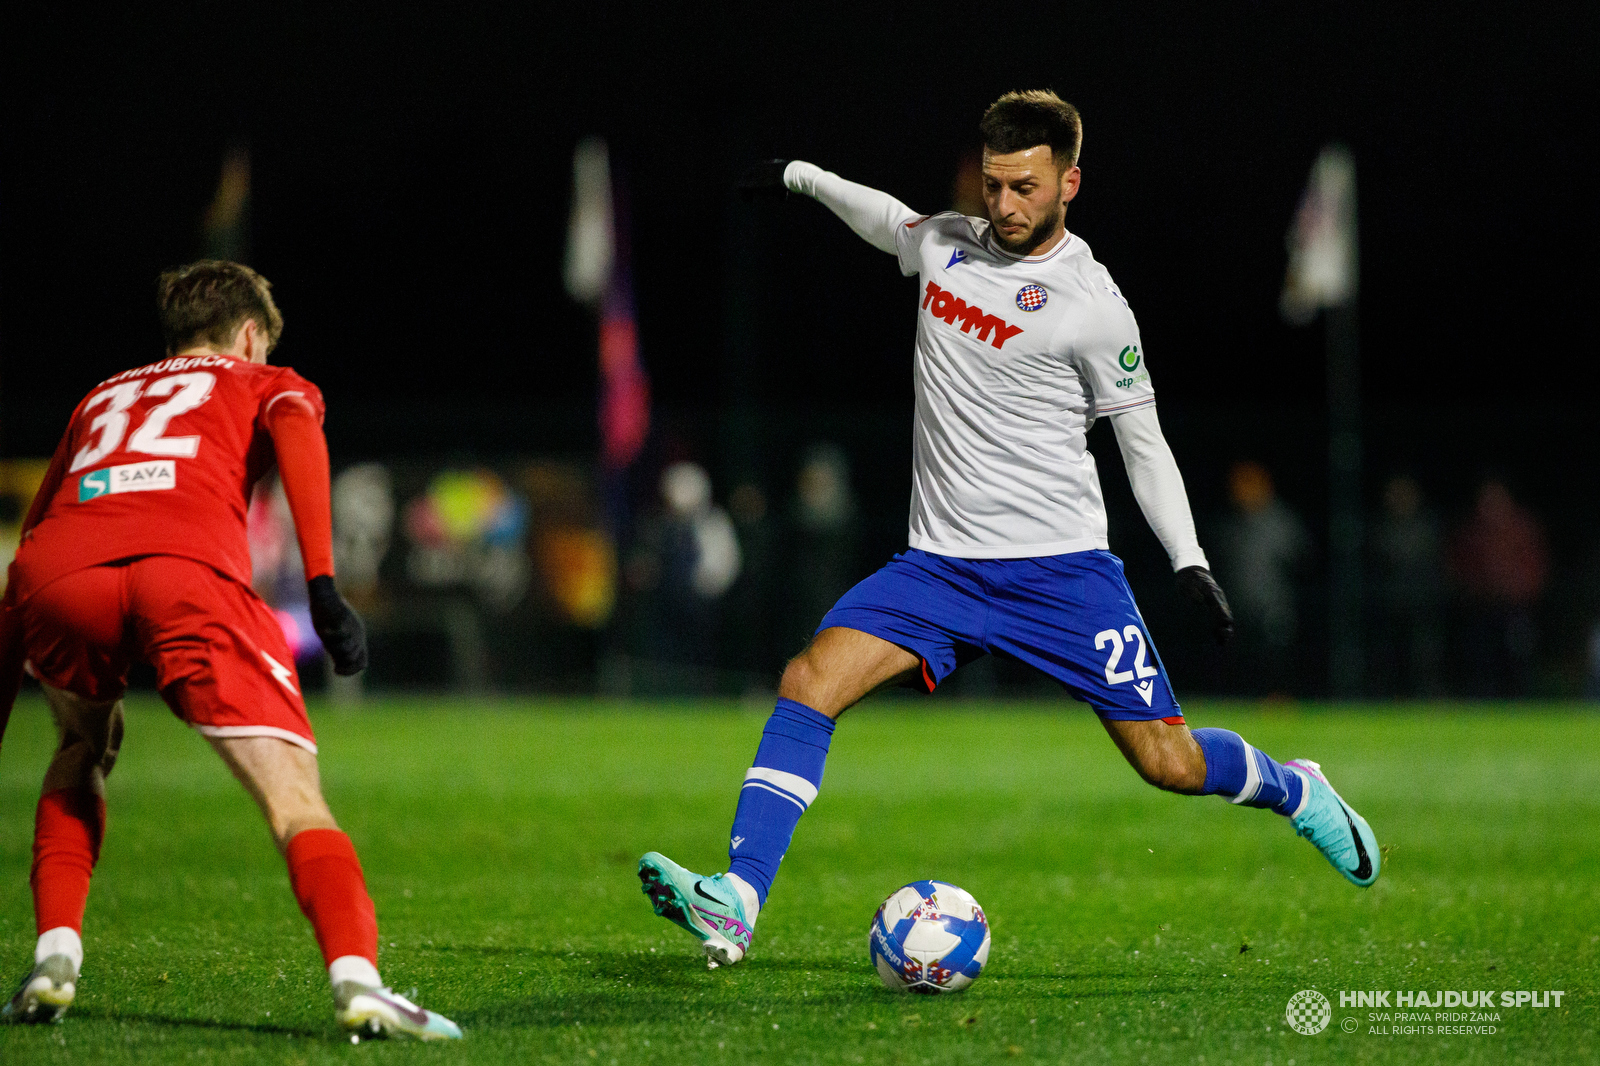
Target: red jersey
{"x":158,"y":461}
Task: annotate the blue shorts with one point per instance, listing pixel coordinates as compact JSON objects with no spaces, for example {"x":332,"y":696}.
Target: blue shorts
{"x":1071,"y":616}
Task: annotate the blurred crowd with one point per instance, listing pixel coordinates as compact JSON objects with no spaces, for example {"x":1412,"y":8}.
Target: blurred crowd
{"x":520,"y":576}
{"x":1450,"y":608}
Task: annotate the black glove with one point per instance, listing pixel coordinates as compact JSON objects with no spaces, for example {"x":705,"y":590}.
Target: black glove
{"x":1197,"y":584}
{"x":764,"y":181}
{"x":338,"y":626}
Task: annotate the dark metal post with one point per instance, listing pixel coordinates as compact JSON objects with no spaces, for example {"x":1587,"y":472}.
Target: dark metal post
{"x":1346,"y":660}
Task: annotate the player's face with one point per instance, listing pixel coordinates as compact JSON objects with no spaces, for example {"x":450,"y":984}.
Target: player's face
{"x":1027,"y":197}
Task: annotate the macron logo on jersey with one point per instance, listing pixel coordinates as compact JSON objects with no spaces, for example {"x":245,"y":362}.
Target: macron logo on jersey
{"x":946,"y":305}
{"x":957,"y":256}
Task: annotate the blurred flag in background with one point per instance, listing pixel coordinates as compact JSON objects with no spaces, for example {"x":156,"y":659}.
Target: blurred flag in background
{"x":225,"y":227}
{"x":597,"y":274}
{"x":1322,"y":240}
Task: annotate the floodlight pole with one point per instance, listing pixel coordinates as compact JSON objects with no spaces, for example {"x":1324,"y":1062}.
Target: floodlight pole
{"x":1346,"y":661}
{"x":741,"y":426}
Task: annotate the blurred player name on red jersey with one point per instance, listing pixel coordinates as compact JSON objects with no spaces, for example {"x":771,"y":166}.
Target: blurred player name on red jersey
{"x":174,"y":363}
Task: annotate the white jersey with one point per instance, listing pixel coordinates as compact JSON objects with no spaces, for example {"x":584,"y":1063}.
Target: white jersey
{"x":1015,"y":359}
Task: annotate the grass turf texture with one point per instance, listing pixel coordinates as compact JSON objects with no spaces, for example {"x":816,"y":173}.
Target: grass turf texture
{"x":499,"y":841}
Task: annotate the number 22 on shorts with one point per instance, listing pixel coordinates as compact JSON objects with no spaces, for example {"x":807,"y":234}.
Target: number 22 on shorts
{"x":1115,"y":639}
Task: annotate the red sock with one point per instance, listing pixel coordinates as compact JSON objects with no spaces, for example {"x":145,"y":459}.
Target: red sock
{"x":68,"y":827}
{"x":326,"y":877}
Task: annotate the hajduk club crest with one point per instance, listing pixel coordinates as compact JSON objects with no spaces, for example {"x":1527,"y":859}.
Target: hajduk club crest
{"x":1031,"y":297}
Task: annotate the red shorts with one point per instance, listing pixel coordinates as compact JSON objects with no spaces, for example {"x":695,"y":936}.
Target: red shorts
{"x":221,"y":660}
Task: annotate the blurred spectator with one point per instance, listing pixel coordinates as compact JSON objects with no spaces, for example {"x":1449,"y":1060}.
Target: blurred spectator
{"x":577,"y":559}
{"x":468,"y":529}
{"x":1500,"y":562}
{"x":579,"y":567}
{"x":1407,"y":633}
{"x":1261,"y":547}
{"x":276,"y":570}
{"x":363,"y":522}
{"x":11,"y":512}
{"x":684,"y":561}
{"x":712,"y":560}
{"x":19,"y":483}
{"x":748,"y":623}
{"x":1591,"y":679}
{"x":826,"y":542}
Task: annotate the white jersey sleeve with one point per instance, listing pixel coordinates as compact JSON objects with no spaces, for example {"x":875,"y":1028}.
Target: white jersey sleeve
{"x":910,"y":235}
{"x":1108,"y":355}
{"x":876,"y":217}
{"x":1158,"y":485}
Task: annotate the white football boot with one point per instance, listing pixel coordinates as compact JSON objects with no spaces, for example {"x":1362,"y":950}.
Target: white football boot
{"x":45,"y":994}
{"x":372,"y":1012}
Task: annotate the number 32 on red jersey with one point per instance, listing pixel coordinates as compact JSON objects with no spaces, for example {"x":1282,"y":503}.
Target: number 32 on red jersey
{"x":188,"y":391}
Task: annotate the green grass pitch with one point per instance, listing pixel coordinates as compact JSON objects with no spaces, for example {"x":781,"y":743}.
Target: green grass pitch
{"x":499,"y":840}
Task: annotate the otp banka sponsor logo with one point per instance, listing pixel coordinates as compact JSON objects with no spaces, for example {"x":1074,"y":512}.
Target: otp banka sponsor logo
{"x":946,"y":305}
{"x":1129,"y":361}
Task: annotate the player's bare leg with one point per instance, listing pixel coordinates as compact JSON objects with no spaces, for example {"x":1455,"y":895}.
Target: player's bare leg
{"x":1164,"y":753}
{"x":838,"y":668}
{"x":68,"y":829}
{"x":1217,"y":761}
{"x":842,"y":666}
{"x":284,"y":781}
{"x":327,"y":881}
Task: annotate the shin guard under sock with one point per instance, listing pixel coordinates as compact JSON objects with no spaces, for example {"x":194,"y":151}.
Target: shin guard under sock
{"x":68,"y":827}
{"x":1245,"y":774}
{"x":326,"y":877}
{"x":777,"y":790}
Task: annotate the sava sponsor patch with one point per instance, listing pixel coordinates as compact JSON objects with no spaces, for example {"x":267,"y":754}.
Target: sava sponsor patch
{"x":130,"y":477}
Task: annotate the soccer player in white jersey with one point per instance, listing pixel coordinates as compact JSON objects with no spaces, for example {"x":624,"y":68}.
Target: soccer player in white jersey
{"x":1023,"y":341}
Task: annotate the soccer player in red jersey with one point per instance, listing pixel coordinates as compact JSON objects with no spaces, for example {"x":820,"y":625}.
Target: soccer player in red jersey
{"x":135,"y":549}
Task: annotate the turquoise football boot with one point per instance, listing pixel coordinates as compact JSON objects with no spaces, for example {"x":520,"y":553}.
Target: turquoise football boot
{"x":1330,"y":823}
{"x":366,"y":1011}
{"x":708,"y":907}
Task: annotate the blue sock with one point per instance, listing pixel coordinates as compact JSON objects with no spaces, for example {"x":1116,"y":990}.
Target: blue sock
{"x":777,"y":790}
{"x":1245,"y":775}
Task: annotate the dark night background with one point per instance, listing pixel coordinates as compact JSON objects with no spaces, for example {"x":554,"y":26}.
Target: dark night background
{"x":411,"y":184}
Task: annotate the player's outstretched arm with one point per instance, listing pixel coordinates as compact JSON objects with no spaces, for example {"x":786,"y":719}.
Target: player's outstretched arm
{"x":873,"y":215}
{"x":1158,"y":486}
{"x":303,"y":465}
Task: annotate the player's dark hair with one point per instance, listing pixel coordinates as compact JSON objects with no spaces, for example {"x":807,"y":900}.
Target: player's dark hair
{"x":1022,"y":120}
{"x":207,"y":302}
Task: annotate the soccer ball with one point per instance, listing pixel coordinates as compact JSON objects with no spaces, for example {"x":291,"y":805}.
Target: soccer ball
{"x":929,"y":937}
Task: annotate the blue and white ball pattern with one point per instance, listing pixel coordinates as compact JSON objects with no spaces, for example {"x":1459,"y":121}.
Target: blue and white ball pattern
{"x":1031,"y":297}
{"x":929,"y":937}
